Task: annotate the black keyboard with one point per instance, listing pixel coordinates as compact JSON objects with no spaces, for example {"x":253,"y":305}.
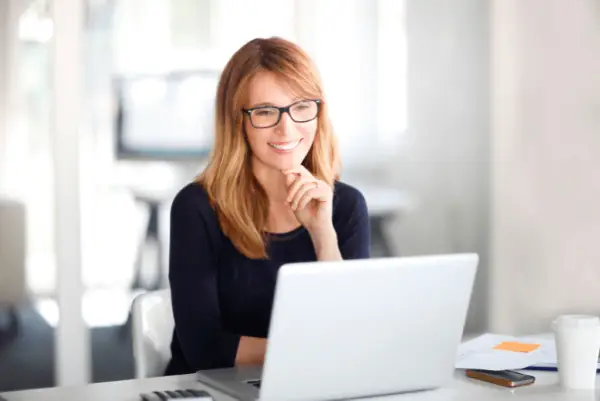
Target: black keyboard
{"x":168,"y":395}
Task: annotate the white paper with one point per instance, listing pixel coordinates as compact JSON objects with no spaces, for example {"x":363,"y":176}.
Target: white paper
{"x":547,"y":349}
{"x":479,"y":353}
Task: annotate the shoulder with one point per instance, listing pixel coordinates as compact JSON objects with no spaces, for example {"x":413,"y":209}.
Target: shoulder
{"x":348,"y":200}
{"x":193,"y":196}
{"x":191,"y":202}
{"x":192,"y":214}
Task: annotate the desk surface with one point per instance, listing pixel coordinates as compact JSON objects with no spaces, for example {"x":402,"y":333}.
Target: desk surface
{"x":545,"y":389}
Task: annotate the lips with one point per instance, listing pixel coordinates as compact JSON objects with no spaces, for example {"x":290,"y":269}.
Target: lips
{"x":285,"y":146}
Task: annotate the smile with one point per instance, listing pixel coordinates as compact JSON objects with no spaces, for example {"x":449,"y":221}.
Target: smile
{"x":285,"y":145}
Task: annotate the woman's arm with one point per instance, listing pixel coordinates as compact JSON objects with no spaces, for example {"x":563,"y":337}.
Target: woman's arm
{"x":251,"y":351}
{"x":192,"y":273}
{"x":349,"y":236}
{"x":326,"y":245}
{"x":204,"y":342}
{"x":337,"y":232}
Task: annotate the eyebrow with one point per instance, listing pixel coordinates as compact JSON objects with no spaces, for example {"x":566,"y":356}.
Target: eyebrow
{"x":263,"y":104}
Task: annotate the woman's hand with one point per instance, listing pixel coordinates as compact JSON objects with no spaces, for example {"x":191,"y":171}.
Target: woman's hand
{"x":251,"y":351}
{"x":310,"y":199}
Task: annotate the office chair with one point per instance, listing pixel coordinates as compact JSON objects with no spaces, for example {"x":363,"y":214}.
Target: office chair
{"x":152,"y":331}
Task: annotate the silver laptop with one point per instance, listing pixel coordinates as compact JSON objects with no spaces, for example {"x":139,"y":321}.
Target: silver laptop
{"x":359,"y":328}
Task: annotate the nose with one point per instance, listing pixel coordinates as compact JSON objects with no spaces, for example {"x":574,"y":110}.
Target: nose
{"x":285,"y":126}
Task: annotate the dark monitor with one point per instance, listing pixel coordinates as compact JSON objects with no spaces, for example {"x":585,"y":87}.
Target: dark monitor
{"x":165,"y":117}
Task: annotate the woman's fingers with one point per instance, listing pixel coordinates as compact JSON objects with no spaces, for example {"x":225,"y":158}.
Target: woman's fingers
{"x":317,"y":190}
{"x":309,"y":194}
{"x":290,"y":178}
{"x":300,"y":170}
{"x":298,"y":182}
{"x":304,"y":188}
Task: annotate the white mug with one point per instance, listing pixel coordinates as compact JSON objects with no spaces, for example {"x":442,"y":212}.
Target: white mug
{"x":577,"y":347}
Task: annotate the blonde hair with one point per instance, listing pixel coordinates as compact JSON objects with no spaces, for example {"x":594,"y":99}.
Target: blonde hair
{"x":239,"y":200}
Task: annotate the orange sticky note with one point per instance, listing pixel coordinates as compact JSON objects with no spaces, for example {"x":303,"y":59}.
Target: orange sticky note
{"x":516,"y":346}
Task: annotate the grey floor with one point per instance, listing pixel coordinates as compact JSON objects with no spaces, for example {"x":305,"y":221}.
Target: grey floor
{"x":27,"y":359}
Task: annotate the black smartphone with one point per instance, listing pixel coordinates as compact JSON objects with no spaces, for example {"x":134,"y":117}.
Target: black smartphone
{"x":505,"y":378}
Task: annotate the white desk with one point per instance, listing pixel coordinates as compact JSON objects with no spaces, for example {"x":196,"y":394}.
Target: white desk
{"x":545,"y":389}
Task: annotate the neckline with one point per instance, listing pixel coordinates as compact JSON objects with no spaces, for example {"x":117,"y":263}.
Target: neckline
{"x":287,"y":234}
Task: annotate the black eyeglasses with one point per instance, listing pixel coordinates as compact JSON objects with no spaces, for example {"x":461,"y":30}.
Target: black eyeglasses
{"x":301,"y":111}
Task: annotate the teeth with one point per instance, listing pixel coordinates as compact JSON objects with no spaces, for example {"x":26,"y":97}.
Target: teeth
{"x":287,"y":146}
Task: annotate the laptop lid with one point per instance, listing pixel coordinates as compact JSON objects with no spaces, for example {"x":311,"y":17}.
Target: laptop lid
{"x":366,"y":327}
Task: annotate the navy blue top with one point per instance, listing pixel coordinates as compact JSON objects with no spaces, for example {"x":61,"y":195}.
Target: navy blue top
{"x":219,"y":294}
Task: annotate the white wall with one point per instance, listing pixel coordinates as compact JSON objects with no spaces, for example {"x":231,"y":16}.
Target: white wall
{"x":546,"y":170}
{"x":9,"y":13}
{"x":510,"y":172}
{"x":347,"y":58}
{"x":443,"y":159}
{"x":12,"y":162}
{"x":3,"y":87}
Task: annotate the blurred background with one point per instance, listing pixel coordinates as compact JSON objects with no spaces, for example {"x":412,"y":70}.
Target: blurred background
{"x":469,"y":125}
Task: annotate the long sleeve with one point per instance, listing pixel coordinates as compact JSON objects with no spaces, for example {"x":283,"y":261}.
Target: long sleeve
{"x":203,"y":341}
{"x":352,"y":224}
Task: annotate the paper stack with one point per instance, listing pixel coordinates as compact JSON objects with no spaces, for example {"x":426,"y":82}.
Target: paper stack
{"x":500,"y":352}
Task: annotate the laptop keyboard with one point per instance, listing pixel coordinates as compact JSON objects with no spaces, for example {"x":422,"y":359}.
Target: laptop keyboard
{"x":167,"y":395}
{"x":255,"y":383}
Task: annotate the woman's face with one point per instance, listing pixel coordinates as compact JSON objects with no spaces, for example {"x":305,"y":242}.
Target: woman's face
{"x":278,"y":145}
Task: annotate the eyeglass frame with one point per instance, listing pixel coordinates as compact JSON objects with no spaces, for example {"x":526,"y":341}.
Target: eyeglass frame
{"x":282,"y":110}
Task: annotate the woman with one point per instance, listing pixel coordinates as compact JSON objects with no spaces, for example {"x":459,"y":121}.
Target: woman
{"x":268,"y":196}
